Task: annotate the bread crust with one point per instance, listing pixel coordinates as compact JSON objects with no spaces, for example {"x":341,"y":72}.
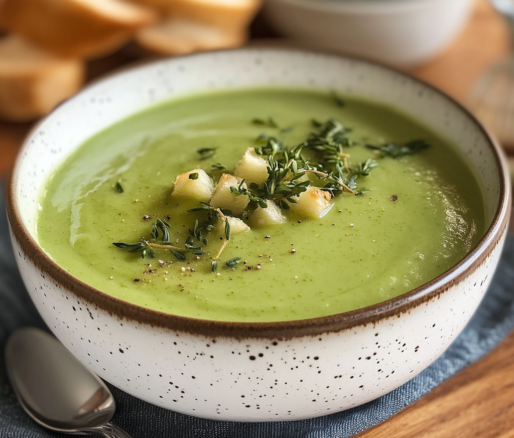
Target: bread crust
{"x":75,"y":27}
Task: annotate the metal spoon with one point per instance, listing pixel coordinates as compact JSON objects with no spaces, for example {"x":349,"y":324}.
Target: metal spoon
{"x":55,"y":389}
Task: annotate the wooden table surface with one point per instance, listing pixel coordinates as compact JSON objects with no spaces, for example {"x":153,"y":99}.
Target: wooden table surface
{"x":479,"y":401}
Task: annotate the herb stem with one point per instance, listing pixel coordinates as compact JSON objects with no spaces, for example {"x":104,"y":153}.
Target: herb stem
{"x":345,"y":162}
{"x":158,"y":245}
{"x":324,"y":175}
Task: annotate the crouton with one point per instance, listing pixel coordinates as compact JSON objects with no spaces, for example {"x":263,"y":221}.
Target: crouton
{"x":224,"y":198}
{"x":200,"y":188}
{"x":262,"y":217}
{"x":252,"y":167}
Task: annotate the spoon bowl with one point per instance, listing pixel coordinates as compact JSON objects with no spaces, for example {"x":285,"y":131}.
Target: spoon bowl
{"x":55,"y":389}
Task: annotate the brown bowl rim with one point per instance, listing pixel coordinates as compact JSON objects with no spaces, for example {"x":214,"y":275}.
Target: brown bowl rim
{"x":281,"y":329}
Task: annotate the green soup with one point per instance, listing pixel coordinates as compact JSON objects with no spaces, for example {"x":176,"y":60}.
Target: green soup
{"x":416,"y":216}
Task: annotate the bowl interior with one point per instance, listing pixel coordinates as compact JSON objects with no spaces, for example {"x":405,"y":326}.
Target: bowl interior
{"x":123,"y":94}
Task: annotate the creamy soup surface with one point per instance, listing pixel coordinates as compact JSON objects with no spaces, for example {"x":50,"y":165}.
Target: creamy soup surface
{"x":412,"y":219}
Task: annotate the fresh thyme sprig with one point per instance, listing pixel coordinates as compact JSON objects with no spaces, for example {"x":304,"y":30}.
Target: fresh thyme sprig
{"x":329,"y":143}
{"x":395,"y":150}
{"x":339,"y":102}
{"x":146,"y":247}
{"x":365,"y":167}
{"x":227,"y":233}
{"x":240,"y":190}
{"x":272,"y":146}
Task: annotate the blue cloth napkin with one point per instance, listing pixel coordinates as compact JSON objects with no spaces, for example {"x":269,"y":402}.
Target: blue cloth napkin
{"x":492,"y":322}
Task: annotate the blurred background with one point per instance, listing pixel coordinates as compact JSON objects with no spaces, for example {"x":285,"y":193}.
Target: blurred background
{"x":50,"y":48}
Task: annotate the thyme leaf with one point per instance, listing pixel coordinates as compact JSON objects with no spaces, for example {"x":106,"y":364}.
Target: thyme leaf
{"x":177,"y":254}
{"x":396,"y":150}
{"x":233,"y":262}
{"x":118,"y":188}
{"x":206,"y":153}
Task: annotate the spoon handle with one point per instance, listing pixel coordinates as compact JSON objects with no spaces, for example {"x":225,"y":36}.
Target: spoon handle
{"x":109,"y":430}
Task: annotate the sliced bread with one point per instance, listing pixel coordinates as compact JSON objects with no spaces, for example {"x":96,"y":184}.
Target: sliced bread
{"x":80,"y":28}
{"x":176,"y":36}
{"x":32,"y":81}
{"x":229,"y":14}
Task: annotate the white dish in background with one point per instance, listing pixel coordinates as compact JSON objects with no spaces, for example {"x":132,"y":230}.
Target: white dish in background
{"x":397,"y":32}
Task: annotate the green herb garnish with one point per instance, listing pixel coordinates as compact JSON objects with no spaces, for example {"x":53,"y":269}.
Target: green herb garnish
{"x":233,"y":262}
{"x":323,"y":154}
{"x":270,"y":122}
{"x":146,"y":247}
{"x":206,"y":153}
{"x":395,"y":150}
{"x":118,"y":188}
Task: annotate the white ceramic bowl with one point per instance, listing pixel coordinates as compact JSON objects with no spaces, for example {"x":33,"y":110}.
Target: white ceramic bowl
{"x":397,"y":32}
{"x":284,"y":370}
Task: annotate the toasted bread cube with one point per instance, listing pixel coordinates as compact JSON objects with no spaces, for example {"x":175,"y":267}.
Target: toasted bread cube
{"x":224,"y":198}
{"x":262,"y":217}
{"x":252,"y":167}
{"x":200,"y":188}
{"x":236,"y":226}
{"x":313,"y":203}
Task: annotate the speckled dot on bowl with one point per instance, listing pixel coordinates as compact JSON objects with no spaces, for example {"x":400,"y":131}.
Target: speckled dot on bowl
{"x":254,"y":371}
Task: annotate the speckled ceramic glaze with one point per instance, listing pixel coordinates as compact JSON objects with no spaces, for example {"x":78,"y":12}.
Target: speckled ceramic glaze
{"x":254,"y":371}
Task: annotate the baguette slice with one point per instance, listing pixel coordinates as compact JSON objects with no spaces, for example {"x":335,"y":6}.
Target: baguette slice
{"x":32,"y":81}
{"x":252,"y":167}
{"x":78,"y":28}
{"x":313,"y":203}
{"x":229,"y":14}
{"x":224,"y":198}
{"x":200,"y":188}
{"x":179,"y":37}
